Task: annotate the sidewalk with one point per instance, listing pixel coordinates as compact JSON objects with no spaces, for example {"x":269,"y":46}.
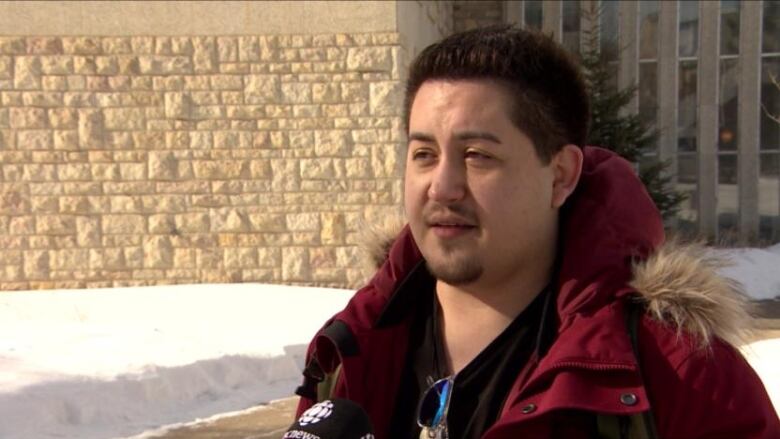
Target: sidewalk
{"x":264,"y":422}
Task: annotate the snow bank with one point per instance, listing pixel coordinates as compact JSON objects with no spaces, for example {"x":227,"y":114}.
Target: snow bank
{"x":758,"y":270}
{"x":115,"y":362}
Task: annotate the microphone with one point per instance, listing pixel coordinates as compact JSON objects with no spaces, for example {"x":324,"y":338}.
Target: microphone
{"x":332,"y":419}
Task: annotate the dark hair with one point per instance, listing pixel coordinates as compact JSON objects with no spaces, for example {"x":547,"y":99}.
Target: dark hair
{"x":549,"y":95}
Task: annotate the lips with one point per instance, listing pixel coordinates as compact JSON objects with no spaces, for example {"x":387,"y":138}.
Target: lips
{"x":450,"y":227}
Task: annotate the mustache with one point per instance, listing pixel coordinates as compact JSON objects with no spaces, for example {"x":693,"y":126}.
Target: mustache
{"x":434,"y":213}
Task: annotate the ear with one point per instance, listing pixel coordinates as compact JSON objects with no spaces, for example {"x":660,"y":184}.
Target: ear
{"x":567,"y":167}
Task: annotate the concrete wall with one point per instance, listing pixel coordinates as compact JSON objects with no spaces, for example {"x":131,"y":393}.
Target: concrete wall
{"x":151,"y":159}
{"x":102,"y":18}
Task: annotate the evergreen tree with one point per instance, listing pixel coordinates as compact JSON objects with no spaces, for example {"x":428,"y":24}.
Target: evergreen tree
{"x":626,"y":134}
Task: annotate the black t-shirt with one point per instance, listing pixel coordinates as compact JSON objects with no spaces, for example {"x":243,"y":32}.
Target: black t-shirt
{"x":480,"y":388}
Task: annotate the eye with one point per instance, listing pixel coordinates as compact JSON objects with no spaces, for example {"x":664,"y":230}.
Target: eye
{"x":473,"y":154}
{"x":423,"y":155}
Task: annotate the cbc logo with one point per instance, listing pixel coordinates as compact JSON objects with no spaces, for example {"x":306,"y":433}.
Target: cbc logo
{"x":316,"y":413}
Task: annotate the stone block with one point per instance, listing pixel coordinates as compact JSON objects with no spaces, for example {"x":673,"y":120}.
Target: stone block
{"x":158,"y":252}
{"x":220,"y":169}
{"x":106,"y":65}
{"x":228,"y":220}
{"x":117,"y":45}
{"x":126,"y":204}
{"x":260,"y":169}
{"x":56,"y":65}
{"x":36,"y":264}
{"x":124,"y":118}
{"x":354,"y":92}
{"x":267,"y":222}
{"x":164,"y":65}
{"x":39,"y":172}
{"x":41,"y":205}
{"x":162,"y":165}
{"x":161,"y":223}
{"x":240,"y":258}
{"x":358,"y":167}
{"x":82,"y":45}
{"x":369,"y":59}
{"x":295,"y":264}
{"x":13,"y":45}
{"x":178,"y":106}
{"x":132,"y":171}
{"x":44,"y":45}
{"x":296,"y":93}
{"x":248,"y":49}
{"x":318,"y":169}
{"x":21,"y":225}
{"x":334,"y":228}
{"x":184,"y":258}
{"x":201,"y":140}
{"x":26,"y":118}
{"x":63,"y":118}
{"x":386,"y":98}
{"x":69,"y":259}
{"x":6,"y":67}
{"x":227,"y":49}
{"x":124,"y":224}
{"x":301,"y":139}
{"x":54,"y":83}
{"x":34,"y":140}
{"x":83,"y":65}
{"x":326,"y":93}
{"x":232,"y":139}
{"x":91,"y":128}
{"x":55,"y":225}
{"x":303,"y":222}
{"x":87,"y":231}
{"x":74,"y":172}
{"x":66,"y":140}
{"x":205,"y":56}
{"x":269,"y":257}
{"x":262,"y":89}
{"x":27,"y":73}
{"x":194,"y":222}
{"x":332,"y":143}
{"x":42,"y":99}
{"x":385,"y":161}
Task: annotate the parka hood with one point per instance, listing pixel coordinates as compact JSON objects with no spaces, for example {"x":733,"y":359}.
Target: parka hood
{"x":611,"y":245}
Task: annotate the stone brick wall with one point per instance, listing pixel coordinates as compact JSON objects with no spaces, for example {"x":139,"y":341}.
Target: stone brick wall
{"x":470,"y":14}
{"x":153,"y":160}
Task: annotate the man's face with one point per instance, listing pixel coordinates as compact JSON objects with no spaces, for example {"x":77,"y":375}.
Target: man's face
{"x":477,"y":197}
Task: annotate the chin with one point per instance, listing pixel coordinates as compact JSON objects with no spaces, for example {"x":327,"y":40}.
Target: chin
{"x":455,"y":271}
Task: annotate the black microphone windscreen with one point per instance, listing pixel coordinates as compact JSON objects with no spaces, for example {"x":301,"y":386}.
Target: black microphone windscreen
{"x":332,"y":419}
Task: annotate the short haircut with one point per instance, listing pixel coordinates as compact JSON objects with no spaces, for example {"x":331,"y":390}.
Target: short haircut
{"x":549,"y":96}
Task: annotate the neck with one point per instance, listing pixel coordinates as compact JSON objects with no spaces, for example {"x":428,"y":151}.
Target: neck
{"x":474,"y":315}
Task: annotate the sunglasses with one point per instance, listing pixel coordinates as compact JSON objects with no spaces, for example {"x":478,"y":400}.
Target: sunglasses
{"x":432,"y":413}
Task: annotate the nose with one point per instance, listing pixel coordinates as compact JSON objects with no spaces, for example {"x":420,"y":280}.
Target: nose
{"x":448,"y":182}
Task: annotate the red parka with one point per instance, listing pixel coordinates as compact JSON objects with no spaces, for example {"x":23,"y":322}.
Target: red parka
{"x":697,"y":383}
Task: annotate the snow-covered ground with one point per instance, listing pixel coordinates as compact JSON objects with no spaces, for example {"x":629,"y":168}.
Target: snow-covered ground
{"x":109,"y":363}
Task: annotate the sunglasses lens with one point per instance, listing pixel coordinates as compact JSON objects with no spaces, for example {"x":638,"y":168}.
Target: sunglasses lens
{"x":434,"y":403}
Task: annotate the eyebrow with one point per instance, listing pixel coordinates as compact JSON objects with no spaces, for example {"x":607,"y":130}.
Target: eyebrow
{"x":465,"y":135}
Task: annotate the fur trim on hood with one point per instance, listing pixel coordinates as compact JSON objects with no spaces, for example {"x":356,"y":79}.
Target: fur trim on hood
{"x":680,"y":286}
{"x":678,"y":283}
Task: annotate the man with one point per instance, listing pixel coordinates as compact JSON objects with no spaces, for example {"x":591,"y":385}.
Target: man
{"x":501,"y":310}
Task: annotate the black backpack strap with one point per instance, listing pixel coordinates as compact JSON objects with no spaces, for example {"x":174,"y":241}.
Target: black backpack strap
{"x":634,"y":311}
{"x":317,"y":384}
